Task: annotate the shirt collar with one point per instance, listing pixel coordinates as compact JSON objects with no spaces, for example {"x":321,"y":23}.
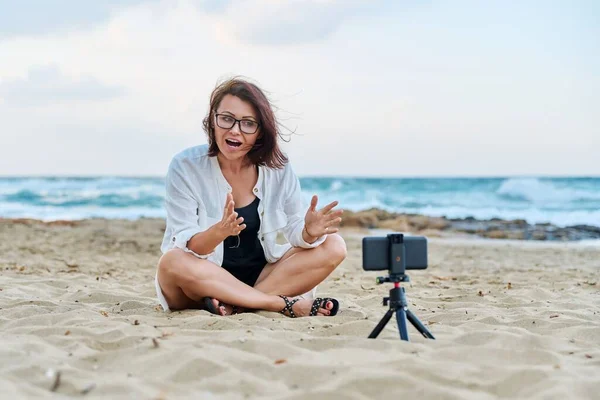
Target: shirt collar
{"x":222,"y":182}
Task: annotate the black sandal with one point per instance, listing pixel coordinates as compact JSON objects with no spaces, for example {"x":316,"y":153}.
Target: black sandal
{"x":322,"y":303}
{"x":209,"y":305}
{"x":288,"y":306}
{"x":317,"y":303}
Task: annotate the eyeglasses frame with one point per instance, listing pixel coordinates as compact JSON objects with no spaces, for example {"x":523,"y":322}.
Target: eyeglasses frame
{"x":236,"y":121}
{"x":238,"y":239}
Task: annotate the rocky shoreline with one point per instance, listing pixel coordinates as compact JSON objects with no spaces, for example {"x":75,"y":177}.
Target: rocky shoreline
{"x":422,"y":225}
{"x":493,"y":228}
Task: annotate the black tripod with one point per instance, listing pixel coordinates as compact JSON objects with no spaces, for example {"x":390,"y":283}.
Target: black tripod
{"x":397,"y":299}
{"x":399,"y":306}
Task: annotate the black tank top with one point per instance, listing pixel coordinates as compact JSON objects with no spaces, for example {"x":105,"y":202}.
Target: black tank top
{"x":245,"y":260}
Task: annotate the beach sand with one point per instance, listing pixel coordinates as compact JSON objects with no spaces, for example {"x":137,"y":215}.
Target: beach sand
{"x":511,"y":320}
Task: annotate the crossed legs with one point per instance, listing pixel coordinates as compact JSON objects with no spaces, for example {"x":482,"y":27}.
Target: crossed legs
{"x":185,"y":279}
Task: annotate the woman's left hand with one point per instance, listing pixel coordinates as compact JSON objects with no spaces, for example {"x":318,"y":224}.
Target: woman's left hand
{"x":324,"y":221}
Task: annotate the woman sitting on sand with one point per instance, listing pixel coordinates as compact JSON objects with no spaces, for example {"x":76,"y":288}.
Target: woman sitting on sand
{"x":226,"y":202}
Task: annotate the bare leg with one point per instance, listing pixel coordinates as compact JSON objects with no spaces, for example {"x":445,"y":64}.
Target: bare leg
{"x":185,"y":280}
{"x":300,"y":270}
{"x":228,"y":309}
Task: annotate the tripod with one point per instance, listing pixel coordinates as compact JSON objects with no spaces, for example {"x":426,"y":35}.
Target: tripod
{"x":399,"y":306}
{"x":397,"y":299}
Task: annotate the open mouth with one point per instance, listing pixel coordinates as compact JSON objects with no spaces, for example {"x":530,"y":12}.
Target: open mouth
{"x":233,"y":143}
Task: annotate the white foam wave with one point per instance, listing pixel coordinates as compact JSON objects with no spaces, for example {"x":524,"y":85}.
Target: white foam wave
{"x":50,"y":213}
{"x":531,"y":215}
{"x":336,"y":185}
{"x":561,"y":202}
{"x":542,"y":192}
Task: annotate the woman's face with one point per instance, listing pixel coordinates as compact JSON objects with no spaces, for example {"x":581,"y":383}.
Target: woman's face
{"x":235,"y":139}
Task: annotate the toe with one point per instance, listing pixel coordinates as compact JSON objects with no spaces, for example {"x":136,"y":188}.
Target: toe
{"x":227,"y":309}
{"x":323,"y":311}
{"x":219,"y":306}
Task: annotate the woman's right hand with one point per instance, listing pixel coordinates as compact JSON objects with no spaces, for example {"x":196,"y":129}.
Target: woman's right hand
{"x":230,"y":224}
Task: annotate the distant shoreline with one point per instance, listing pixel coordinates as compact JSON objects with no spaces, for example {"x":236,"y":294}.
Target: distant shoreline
{"x":524,"y":176}
{"x":561,"y":202}
{"x":375,"y":218}
{"x":494,"y":228}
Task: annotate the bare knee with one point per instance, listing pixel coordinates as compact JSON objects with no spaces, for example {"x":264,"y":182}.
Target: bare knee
{"x":179,"y":274}
{"x":183,"y":268}
{"x":336,"y":249}
{"x":170,"y":262}
{"x":176,"y":267}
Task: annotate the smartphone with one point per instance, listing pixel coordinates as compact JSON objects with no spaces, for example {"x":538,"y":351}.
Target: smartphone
{"x":376,"y":252}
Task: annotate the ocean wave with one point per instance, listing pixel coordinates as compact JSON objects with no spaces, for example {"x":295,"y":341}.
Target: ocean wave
{"x":564,"y":201}
{"x":336,"y":185}
{"x":531,"y":215}
{"x":50,"y":213}
{"x":94,"y":198}
{"x":543,"y":192}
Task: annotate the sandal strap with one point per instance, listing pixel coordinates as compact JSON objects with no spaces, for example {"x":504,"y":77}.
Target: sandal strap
{"x":315,"y":306}
{"x":288,"y":306}
{"x":322,"y":303}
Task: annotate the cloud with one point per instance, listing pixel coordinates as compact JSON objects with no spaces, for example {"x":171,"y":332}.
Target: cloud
{"x":258,"y":22}
{"x":34,"y":17}
{"x":213,"y":6}
{"x":360,"y":79}
{"x":47,"y":85}
{"x":272,"y":22}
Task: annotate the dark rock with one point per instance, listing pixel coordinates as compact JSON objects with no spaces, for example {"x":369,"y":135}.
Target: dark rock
{"x":538,"y":235}
{"x":494,"y":228}
{"x":586,"y":228}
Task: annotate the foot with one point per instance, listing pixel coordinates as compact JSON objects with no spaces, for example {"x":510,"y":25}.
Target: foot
{"x":302,"y":307}
{"x":227,"y":309}
{"x":219,"y":306}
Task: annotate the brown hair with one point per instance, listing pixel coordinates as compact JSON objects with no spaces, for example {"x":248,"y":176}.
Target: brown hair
{"x":265,"y":151}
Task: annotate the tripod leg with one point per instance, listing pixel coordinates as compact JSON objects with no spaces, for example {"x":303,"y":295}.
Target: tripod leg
{"x":417,"y":324}
{"x":401,"y":319}
{"x":381,"y":324}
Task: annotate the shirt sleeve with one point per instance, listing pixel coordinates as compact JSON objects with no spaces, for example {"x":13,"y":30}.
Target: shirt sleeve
{"x":295,"y":210}
{"x":183,"y":210}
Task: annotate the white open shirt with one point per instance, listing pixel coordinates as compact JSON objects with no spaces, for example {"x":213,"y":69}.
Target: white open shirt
{"x":195,"y":200}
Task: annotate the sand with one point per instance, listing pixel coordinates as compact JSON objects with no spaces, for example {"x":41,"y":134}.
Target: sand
{"x":511,"y":320}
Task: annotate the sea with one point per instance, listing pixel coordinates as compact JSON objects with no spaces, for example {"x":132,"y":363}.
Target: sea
{"x":560,"y":201}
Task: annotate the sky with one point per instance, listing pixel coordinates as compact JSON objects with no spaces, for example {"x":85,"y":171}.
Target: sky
{"x":368,"y":87}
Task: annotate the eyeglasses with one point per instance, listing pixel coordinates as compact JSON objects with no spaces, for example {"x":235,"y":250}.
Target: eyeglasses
{"x":247,"y":126}
{"x":238,"y":243}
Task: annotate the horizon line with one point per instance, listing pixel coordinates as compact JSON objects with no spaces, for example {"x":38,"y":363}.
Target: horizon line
{"x":548,"y":176}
